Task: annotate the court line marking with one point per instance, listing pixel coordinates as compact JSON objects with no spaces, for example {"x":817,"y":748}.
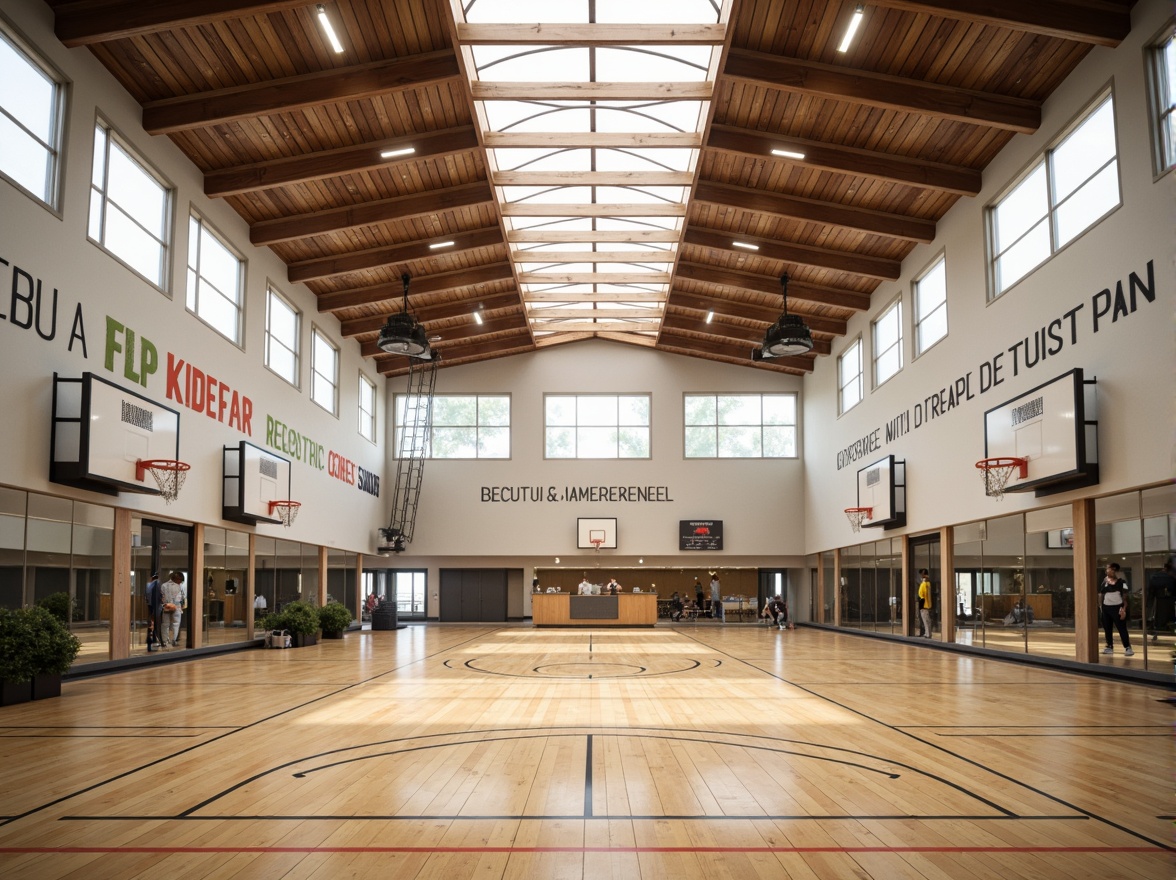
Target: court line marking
{"x":512,"y":850}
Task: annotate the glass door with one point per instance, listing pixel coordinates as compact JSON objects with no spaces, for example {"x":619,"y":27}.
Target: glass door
{"x":924,"y":554}
{"x":157,"y":548}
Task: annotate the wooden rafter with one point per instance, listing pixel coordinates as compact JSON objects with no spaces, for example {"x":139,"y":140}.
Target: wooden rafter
{"x":83,"y":24}
{"x":814,"y":211}
{"x":380,"y":294}
{"x":357,"y":327}
{"x":281,"y":95}
{"x":335,"y":163}
{"x":880,"y":90}
{"x":312,"y":270}
{"x":822,"y":258}
{"x":1100,"y":24}
{"x":592,"y":91}
{"x":294,"y":226}
{"x":846,"y":160}
{"x":590,"y":34}
{"x":797,"y":290}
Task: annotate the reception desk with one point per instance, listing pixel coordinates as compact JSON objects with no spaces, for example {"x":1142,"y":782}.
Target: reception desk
{"x":567,"y":609}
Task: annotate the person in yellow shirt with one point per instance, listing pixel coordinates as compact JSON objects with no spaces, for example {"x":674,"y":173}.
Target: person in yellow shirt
{"x":926,"y":601}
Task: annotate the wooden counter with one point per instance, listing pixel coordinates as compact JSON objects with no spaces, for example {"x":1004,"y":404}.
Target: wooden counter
{"x":567,"y":609}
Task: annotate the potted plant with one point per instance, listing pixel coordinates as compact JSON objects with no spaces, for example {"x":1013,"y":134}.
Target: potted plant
{"x":301,"y":620}
{"x":36,"y":649}
{"x":334,"y":617}
{"x":16,"y":662}
{"x":54,"y":649}
{"x":59,"y":605}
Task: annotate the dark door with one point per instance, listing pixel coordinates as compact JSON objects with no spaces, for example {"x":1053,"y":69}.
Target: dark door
{"x":924,"y":554}
{"x":473,"y":595}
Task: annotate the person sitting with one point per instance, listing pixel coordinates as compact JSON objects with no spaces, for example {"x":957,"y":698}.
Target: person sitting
{"x":676,"y":606}
{"x":777,"y":609}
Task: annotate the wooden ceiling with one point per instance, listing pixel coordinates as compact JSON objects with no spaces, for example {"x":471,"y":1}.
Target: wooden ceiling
{"x":894,"y":131}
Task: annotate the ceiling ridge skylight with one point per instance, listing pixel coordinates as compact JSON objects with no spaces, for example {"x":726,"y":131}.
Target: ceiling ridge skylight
{"x":592,"y":116}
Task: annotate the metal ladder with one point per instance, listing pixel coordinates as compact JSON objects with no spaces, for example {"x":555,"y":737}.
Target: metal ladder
{"x":412,"y":451}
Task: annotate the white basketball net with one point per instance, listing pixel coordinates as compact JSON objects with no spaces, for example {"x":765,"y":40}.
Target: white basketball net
{"x":596,"y":542}
{"x":996,"y":477}
{"x":287,"y":512}
{"x":856,"y":517}
{"x":170,"y":478}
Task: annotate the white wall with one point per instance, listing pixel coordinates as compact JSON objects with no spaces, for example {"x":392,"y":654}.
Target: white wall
{"x":55,"y":252}
{"x":1133,"y":357}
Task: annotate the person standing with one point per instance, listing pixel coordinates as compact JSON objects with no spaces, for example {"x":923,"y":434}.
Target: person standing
{"x":716,"y":597}
{"x":154,"y":613}
{"x":259,"y":608}
{"x":926,"y":601}
{"x":1112,"y":600}
{"x":699,"y":596}
{"x":172,"y":594}
{"x":1162,"y":587}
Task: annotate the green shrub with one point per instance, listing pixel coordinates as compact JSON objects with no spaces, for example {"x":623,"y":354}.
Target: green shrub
{"x":59,"y":605}
{"x":334,"y":617}
{"x":299,"y":618}
{"x":33,"y":641}
{"x":16,"y":637}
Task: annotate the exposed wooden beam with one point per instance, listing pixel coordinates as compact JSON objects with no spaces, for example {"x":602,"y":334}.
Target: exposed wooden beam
{"x":812,"y":211}
{"x":562,"y":236}
{"x":424,"y":204}
{"x":356,"y":327}
{"x":517,"y":209}
{"x":311,"y":270}
{"x":596,"y":139}
{"x":388,"y":293}
{"x":335,"y":163}
{"x":592,"y":91}
{"x":880,"y":90}
{"x":1100,"y":24}
{"x":797,"y":290}
{"x":821,"y":258}
{"x":594,"y":278}
{"x":539,"y":314}
{"x":470,"y":330}
{"x":598,"y":326}
{"x":282,"y":95}
{"x":846,"y":160}
{"x":736,"y":332}
{"x":590,"y":34}
{"x":83,"y":24}
{"x":736,"y":353}
{"x":557,"y":297}
{"x":532,"y":256}
{"x":592,"y":178}
{"x":728,"y":308}
{"x":640,"y":339}
{"x":483,"y":351}
{"x":547,"y":340}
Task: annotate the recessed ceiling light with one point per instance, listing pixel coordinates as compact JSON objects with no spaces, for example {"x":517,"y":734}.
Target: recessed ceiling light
{"x":854,"y":24}
{"x":325,"y":24}
{"x":440,"y":244}
{"x":788,"y":154}
{"x":392,"y":154}
{"x":744,"y":244}
{"x":710,"y":316}
{"x":478,"y":317}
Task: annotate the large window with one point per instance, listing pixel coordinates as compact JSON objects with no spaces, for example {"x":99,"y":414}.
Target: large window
{"x":367,"y":408}
{"x":463,"y":425}
{"x":1162,"y":80}
{"x":849,"y":377}
{"x":931,"y":306}
{"x":740,"y":425}
{"x":1067,"y":191}
{"x":324,"y":372}
{"x":31,"y":114}
{"x":215,"y":281}
{"x":596,"y":426}
{"x":130,"y":208}
{"x":283,"y":326}
{"x":888,"y":343}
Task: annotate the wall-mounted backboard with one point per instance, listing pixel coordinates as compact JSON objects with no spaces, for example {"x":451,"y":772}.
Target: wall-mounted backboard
{"x":253,"y":477}
{"x":101,"y":431}
{"x":881,"y":486}
{"x":1054,"y":428}
{"x":602,"y":529}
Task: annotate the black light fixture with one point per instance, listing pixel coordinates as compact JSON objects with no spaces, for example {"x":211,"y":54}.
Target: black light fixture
{"x":788,"y":336}
{"x":403,"y":334}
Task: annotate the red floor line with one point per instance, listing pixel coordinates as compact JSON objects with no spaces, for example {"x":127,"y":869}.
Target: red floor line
{"x":167,"y":850}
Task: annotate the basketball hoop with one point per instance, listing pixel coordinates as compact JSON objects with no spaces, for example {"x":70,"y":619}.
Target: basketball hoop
{"x":286,"y":511}
{"x":857,"y":514}
{"x":998,"y":471}
{"x":596,"y":542}
{"x":169,"y":475}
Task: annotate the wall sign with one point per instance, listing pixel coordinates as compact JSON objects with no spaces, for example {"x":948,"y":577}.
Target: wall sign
{"x":700,"y":534}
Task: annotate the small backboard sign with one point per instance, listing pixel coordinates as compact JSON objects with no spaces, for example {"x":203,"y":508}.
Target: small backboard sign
{"x":881,"y":486}
{"x":596,"y":533}
{"x":101,"y":431}
{"x":253,"y":477}
{"x":700,"y":534}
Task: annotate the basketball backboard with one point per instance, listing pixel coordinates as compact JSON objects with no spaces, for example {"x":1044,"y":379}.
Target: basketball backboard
{"x":1054,"y":428}
{"x":881,"y":486}
{"x":602,"y":529}
{"x":101,"y":431}
{"x":253,"y":477}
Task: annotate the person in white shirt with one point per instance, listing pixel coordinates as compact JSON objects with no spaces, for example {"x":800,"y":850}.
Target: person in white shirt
{"x":171,"y":592}
{"x":585,"y":587}
{"x":259,"y":607}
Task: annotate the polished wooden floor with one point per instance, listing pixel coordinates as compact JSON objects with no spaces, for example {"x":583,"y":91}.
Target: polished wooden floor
{"x":463,"y":751}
